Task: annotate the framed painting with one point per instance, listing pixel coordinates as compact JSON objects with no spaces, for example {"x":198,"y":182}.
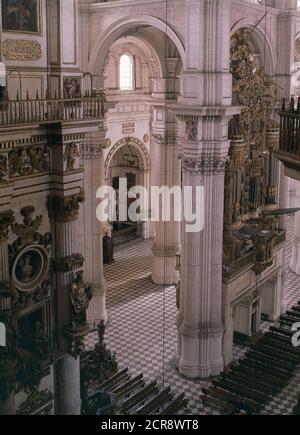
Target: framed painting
{"x":21,"y":16}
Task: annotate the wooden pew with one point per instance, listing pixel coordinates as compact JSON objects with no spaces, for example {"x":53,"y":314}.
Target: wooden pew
{"x":240,"y":402}
{"x":156,"y":403}
{"x":254,"y":374}
{"x":220,"y":404}
{"x":140,"y":397}
{"x":249,"y":393}
{"x":244,"y":380}
{"x":283,"y":354}
{"x":118,"y":377}
{"x":263,"y":367}
{"x":178,"y":403}
{"x":276,"y":361}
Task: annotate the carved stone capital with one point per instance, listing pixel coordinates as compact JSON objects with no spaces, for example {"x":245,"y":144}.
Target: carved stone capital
{"x":204,"y":165}
{"x":65,"y":209}
{"x":67,"y":264}
{"x":6,"y":220}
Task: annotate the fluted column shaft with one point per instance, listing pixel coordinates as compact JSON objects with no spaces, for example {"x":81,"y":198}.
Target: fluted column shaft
{"x":94,"y":232}
{"x":63,"y":212}
{"x":7,"y":402}
{"x":200,"y":316}
{"x":167,"y":234}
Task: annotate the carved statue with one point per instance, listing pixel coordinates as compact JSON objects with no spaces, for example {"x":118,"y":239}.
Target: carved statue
{"x":3,"y":167}
{"x":71,"y":153}
{"x":81,"y":295}
{"x":26,"y":269}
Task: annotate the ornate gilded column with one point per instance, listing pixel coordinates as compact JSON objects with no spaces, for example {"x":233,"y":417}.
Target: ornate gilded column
{"x":167,"y":234}
{"x":272,"y":169}
{"x":8,"y":360}
{"x":63,"y":213}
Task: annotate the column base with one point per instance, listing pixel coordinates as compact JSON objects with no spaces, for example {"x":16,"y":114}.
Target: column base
{"x":8,"y":407}
{"x":200,"y":352}
{"x":97,"y":310}
{"x":164,"y":270}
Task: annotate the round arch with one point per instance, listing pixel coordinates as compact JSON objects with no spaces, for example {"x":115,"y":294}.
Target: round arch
{"x":262,"y":42}
{"x":136,"y":143}
{"x":116,"y":31}
{"x":145,"y":46}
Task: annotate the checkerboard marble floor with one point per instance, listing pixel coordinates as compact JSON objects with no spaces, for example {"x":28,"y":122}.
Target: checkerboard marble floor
{"x":142,"y":329}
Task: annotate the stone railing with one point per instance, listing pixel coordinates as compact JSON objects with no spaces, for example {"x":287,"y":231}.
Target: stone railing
{"x":47,"y":111}
{"x":236,"y":267}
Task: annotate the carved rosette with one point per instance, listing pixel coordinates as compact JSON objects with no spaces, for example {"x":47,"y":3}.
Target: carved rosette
{"x":67,"y":264}
{"x":204,"y":165}
{"x":65,"y":209}
{"x":6,"y":220}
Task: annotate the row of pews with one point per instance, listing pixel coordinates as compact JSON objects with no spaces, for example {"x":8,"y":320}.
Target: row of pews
{"x":131,"y":396}
{"x":251,"y":383}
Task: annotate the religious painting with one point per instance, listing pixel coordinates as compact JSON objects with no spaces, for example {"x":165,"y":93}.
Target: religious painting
{"x":72,"y":87}
{"x":21,"y":16}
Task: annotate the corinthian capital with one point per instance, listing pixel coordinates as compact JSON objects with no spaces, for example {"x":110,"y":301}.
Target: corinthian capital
{"x":65,"y":209}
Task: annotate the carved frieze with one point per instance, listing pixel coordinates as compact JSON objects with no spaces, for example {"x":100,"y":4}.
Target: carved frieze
{"x":191,"y":130}
{"x":3,"y":167}
{"x":67,"y":264}
{"x":204,"y":165}
{"x":28,"y":161}
{"x":65,"y":209}
{"x":25,"y":232}
{"x":6,"y":220}
{"x":91,"y":151}
{"x":21,"y":50}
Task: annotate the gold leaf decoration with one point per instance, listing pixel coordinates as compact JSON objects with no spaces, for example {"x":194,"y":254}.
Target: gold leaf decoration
{"x":21,"y":50}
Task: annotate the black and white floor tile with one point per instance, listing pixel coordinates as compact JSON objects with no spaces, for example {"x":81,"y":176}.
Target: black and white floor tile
{"x":142,"y":329}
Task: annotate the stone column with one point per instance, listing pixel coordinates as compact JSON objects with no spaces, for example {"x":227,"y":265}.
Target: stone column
{"x":63,"y":212}
{"x":92,"y":154}
{"x":295,"y":261}
{"x":167,"y":234}
{"x":204,"y":110}
{"x":200,"y":317}
{"x":7,"y":359}
{"x":68,"y":379}
{"x":284,"y":202}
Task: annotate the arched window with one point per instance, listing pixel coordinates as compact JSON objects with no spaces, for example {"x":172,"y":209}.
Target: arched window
{"x":2,"y":80}
{"x":126,"y":73}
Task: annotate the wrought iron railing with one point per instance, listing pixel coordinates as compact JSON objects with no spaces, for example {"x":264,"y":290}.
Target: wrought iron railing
{"x":50,"y":110}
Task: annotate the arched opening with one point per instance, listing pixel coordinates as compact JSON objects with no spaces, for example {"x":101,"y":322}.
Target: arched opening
{"x":126,"y":73}
{"x":128,"y":163}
